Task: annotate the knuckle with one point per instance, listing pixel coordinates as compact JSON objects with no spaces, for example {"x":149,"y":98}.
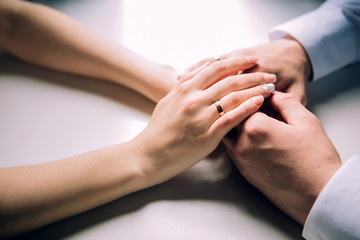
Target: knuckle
{"x":219,"y":66}
{"x":246,"y":108}
{"x":233,"y":100}
{"x":228,"y":121}
{"x":303,"y":99}
{"x":190,"y":106}
{"x":183,"y":88}
{"x":313,"y":119}
{"x":253,"y":127}
{"x":240,"y":99}
{"x":250,"y":129}
{"x":231,"y":82}
{"x":241,"y":152}
{"x":195,"y":127}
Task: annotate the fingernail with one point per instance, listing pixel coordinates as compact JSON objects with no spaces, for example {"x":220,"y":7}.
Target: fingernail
{"x":270,"y":78}
{"x":258,"y":100}
{"x":252,"y":59}
{"x":270,"y":87}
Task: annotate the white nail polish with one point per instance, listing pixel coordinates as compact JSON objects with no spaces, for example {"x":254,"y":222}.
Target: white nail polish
{"x":270,"y":87}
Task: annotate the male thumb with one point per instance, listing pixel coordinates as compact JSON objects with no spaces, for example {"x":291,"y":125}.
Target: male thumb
{"x":291,"y":110}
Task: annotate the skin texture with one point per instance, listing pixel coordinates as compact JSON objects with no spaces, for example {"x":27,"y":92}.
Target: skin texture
{"x":187,"y":127}
{"x":289,"y":160}
{"x":59,"y":42}
{"x":284,"y":57}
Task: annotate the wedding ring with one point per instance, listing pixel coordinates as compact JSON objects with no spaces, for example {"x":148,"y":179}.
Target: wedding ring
{"x":219,"y":108}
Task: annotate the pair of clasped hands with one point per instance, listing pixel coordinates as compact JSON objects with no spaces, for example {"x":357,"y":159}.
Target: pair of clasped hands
{"x":190,"y":124}
{"x":191,"y":127}
{"x":285,"y":153}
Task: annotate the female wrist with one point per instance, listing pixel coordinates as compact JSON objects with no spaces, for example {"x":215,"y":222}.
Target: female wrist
{"x":147,"y":169}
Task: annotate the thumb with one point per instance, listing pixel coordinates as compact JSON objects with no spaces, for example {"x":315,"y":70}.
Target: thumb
{"x":254,"y":127}
{"x":291,"y":110}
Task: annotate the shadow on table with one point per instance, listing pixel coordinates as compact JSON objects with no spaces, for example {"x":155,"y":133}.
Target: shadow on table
{"x":179,"y":188}
{"x":232,"y":189}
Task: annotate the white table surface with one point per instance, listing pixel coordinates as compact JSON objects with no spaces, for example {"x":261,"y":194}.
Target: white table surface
{"x":46,"y":115}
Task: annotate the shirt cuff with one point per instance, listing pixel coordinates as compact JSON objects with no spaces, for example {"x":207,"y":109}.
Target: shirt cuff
{"x":326,"y":35}
{"x":336,"y":212}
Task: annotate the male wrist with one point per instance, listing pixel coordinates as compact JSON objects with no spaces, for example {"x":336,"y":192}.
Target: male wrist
{"x":324,"y":174}
{"x":306,"y":62}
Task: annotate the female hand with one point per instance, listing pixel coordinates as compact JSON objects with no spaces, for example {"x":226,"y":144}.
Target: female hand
{"x":186,"y":125}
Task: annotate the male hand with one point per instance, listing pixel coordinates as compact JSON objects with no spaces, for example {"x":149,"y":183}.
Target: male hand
{"x":289,"y":161}
{"x":285,"y":58}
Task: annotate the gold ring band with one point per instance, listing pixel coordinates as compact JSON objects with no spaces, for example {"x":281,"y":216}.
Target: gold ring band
{"x":219,"y":108}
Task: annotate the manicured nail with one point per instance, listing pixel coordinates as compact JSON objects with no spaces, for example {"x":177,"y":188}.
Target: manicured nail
{"x":252,"y":59}
{"x":258,"y":100}
{"x":270,"y":87}
{"x":270,"y":78}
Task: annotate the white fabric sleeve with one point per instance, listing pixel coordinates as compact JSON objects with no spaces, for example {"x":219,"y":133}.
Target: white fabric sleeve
{"x":330,"y":35}
{"x":336,"y":212}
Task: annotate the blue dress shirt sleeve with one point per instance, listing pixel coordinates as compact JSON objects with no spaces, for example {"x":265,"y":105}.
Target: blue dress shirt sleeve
{"x":336,"y":212}
{"x":330,"y":35}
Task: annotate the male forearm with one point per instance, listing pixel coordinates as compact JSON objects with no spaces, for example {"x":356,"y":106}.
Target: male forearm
{"x":46,"y":37}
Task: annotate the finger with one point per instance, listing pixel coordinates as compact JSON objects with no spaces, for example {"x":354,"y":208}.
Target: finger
{"x":237,"y":83}
{"x":257,"y":119}
{"x":222,"y":69}
{"x":234,"y":99}
{"x":299,"y":92}
{"x":196,"y":69}
{"x":291,"y":110}
{"x":234,"y":117}
{"x":200,"y":63}
{"x":232,"y":54}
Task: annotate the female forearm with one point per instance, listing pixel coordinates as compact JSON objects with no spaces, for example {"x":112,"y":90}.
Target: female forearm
{"x":46,"y":37}
{"x":36,"y":195}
